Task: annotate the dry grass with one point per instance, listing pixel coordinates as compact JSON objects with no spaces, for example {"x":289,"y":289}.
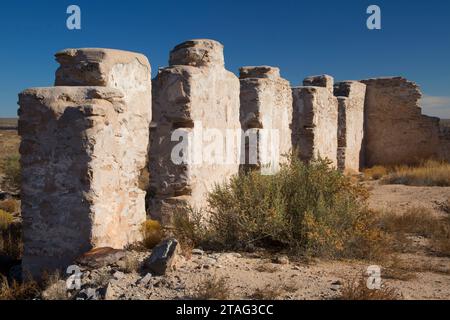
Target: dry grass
{"x":152,"y":233}
{"x":418,"y":222}
{"x":55,"y":288}
{"x":375,"y":173}
{"x":130,"y":264}
{"x":214,"y":288}
{"x":357,"y":289}
{"x":6,"y":220}
{"x":9,"y":155}
{"x":430,"y":173}
{"x":26,"y":290}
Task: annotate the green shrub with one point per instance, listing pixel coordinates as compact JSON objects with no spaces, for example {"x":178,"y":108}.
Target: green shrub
{"x":312,"y":210}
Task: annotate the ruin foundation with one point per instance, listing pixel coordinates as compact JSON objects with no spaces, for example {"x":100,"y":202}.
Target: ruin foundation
{"x":396,"y":132}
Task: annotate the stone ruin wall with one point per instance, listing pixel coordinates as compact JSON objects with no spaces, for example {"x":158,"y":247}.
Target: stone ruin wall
{"x":444,"y":144}
{"x":351,"y":95}
{"x":266,"y":103}
{"x":194,"y":92}
{"x":315,"y":119}
{"x":396,"y":132}
{"x":84,"y":143}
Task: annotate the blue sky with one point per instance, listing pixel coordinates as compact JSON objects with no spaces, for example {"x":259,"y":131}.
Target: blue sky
{"x":301,"y":37}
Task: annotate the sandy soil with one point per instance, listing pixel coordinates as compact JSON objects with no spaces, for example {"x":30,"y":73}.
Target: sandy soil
{"x":428,"y":276}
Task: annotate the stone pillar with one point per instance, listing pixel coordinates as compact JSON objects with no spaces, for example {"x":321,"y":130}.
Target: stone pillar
{"x":351,"y":95}
{"x":266,"y":103}
{"x":396,"y":132}
{"x":315,"y":119}
{"x":84,"y":145}
{"x":197,"y":98}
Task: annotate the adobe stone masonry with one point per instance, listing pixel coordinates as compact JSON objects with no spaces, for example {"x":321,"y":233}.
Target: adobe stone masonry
{"x":315,"y":119}
{"x":395,"y":131}
{"x":84,"y":144}
{"x":266,"y":103}
{"x":194,"y":94}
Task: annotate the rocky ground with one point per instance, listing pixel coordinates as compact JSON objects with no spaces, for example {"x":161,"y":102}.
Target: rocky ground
{"x":260,"y":275}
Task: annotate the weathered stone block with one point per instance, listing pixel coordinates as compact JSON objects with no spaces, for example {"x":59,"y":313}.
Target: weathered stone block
{"x":266,"y":105}
{"x":193,"y":96}
{"x":315,"y":120}
{"x":76,"y":191}
{"x":396,"y":132}
{"x":351,"y":95}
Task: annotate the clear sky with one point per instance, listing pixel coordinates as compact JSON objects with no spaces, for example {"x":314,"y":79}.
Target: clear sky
{"x":301,"y":37}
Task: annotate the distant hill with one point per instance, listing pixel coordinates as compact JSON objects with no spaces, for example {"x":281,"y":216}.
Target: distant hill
{"x":8,"y":123}
{"x":445,"y":123}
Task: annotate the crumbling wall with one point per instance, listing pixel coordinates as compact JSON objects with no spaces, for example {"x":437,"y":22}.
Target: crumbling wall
{"x":266,"y":103}
{"x":351,"y":95}
{"x":444,"y":143}
{"x":84,"y":144}
{"x":396,"y":132}
{"x":192,"y":98}
{"x":315,"y":119}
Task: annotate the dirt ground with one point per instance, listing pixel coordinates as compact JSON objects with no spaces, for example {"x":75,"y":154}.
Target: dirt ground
{"x":259,"y":275}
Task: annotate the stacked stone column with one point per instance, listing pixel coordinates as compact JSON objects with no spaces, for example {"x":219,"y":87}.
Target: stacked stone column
{"x":266,"y":116}
{"x":84,"y":144}
{"x":315,"y":119}
{"x":192,"y":98}
{"x":351,"y":95}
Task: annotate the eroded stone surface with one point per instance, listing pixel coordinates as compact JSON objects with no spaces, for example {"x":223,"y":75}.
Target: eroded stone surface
{"x":266,"y":103}
{"x":315,"y":119}
{"x":76,"y":193}
{"x":396,"y":132}
{"x":189,"y":95}
{"x":351,"y":95}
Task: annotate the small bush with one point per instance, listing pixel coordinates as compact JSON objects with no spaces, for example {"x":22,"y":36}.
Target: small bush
{"x":419,"y":222}
{"x":213,"y":288}
{"x":357,"y":290}
{"x":188,"y":227}
{"x":10,"y":205}
{"x":152,"y":233}
{"x":11,"y":170}
{"x":375,"y":173}
{"x":429,"y":173}
{"x":309,"y":209}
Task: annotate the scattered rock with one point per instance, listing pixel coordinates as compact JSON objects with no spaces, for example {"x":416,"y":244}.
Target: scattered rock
{"x":146,"y":280}
{"x":101,"y":257}
{"x":336,"y":283}
{"x":199,"y":252}
{"x":164,"y":257}
{"x":118,"y":275}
